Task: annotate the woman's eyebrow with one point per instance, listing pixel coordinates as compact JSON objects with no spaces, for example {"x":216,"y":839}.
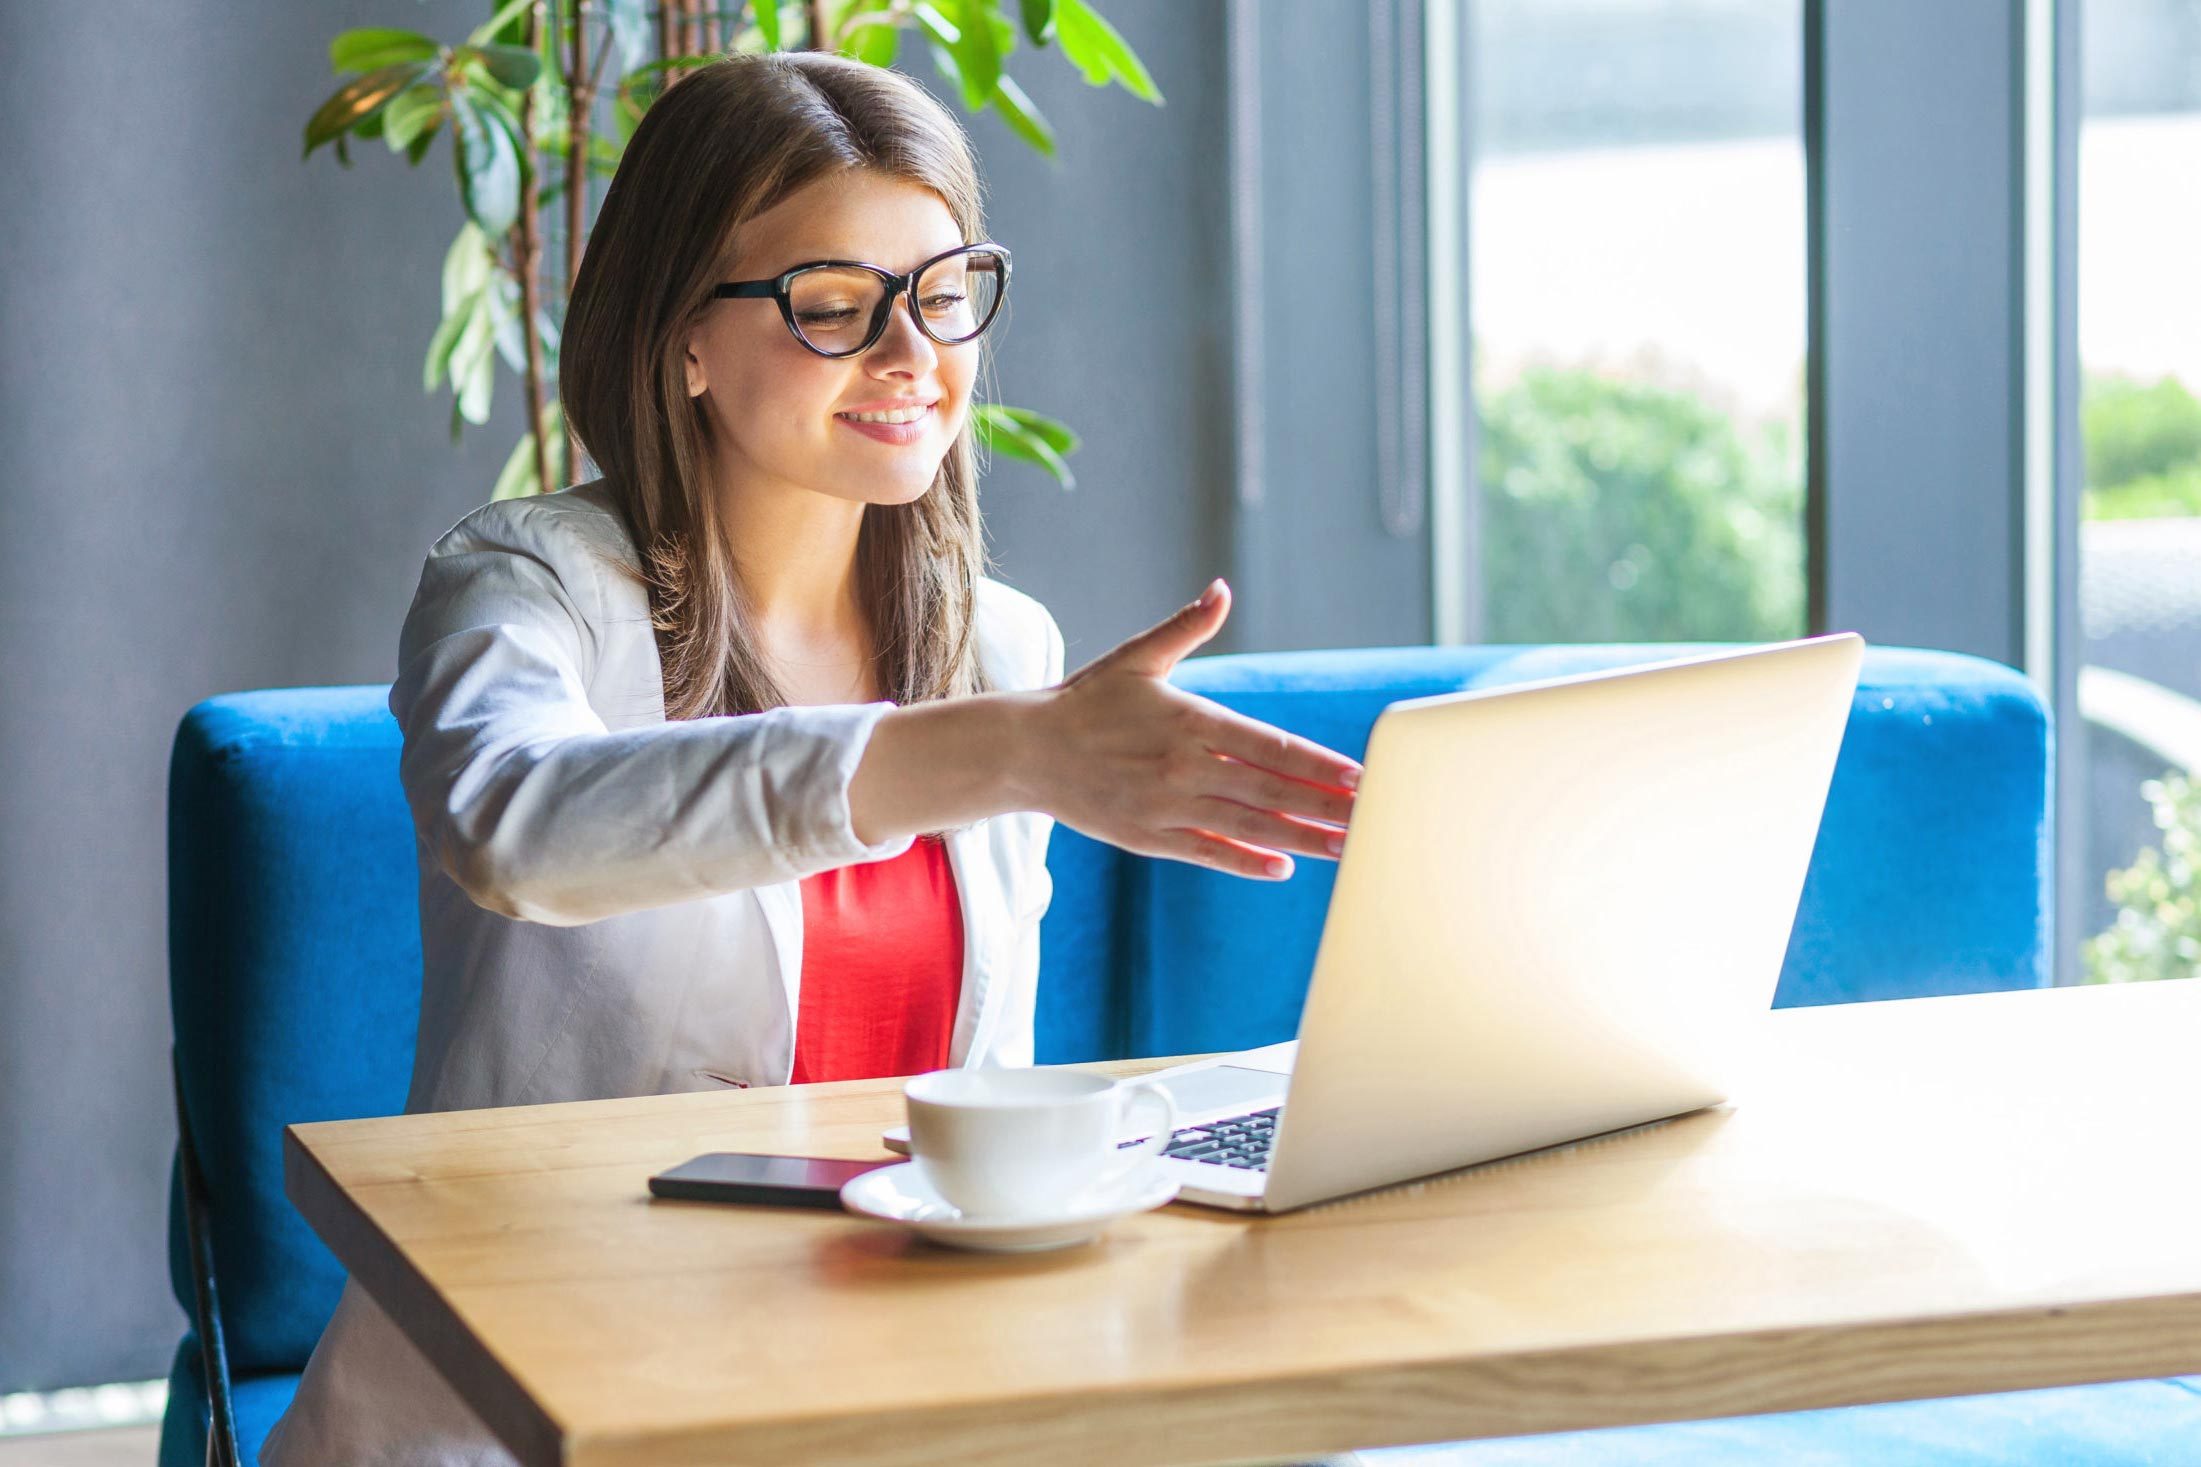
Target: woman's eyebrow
{"x":794,"y":259}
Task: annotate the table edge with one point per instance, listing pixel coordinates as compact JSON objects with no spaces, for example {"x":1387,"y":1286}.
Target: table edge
{"x":378,"y":1265}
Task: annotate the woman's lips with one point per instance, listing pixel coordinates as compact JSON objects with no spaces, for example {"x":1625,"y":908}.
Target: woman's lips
{"x":902,"y":433}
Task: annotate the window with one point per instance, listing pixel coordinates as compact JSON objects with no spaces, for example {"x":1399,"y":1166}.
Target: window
{"x":1637,"y":298}
{"x":2139,"y":305}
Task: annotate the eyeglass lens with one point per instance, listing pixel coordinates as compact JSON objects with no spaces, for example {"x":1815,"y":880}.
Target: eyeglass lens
{"x":834,"y":308}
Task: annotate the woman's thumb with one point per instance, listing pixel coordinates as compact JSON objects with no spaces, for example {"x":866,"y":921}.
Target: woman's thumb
{"x":1157,"y":649}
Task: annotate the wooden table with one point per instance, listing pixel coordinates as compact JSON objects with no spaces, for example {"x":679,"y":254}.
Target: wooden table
{"x":1926,"y":1198}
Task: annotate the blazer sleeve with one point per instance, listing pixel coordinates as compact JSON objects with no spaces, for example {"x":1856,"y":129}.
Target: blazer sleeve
{"x":1019,"y":1021}
{"x":534,"y":806}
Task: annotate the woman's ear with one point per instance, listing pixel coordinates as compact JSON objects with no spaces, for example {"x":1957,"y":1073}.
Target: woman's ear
{"x":692,"y":365}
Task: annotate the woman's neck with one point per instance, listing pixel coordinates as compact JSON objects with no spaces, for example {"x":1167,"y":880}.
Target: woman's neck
{"x":796,"y":550}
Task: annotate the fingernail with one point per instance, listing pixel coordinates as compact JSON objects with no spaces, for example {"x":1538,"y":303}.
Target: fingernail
{"x":1337,"y":845}
{"x":1207,"y":597}
{"x":1350,"y":779}
{"x":1278,"y":866}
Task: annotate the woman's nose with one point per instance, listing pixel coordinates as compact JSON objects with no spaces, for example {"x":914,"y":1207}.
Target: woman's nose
{"x":902,"y":344}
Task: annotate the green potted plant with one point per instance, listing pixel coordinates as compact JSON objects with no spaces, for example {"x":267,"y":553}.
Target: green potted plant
{"x":540,"y":99}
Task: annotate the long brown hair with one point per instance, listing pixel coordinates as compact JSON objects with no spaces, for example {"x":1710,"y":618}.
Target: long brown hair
{"x":734,"y":138}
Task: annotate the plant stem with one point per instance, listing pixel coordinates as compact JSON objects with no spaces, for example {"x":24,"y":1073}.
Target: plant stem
{"x":528,"y":242}
{"x":821,"y":38}
{"x":580,"y":109}
{"x":581,"y":102}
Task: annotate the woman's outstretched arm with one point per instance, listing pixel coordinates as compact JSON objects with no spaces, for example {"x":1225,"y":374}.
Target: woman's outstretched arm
{"x":539,"y":810}
{"x":1119,"y":753}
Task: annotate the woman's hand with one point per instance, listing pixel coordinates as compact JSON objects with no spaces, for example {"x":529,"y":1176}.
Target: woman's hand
{"x":1117,"y":752}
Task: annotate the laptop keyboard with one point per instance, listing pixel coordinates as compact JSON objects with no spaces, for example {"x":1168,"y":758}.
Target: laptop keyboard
{"x":1240,"y":1141}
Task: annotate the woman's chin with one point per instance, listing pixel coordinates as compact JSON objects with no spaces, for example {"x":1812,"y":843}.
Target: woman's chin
{"x":902,"y":486}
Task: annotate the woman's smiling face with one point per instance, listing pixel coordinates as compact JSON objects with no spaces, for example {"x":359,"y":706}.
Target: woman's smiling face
{"x":777,"y":409}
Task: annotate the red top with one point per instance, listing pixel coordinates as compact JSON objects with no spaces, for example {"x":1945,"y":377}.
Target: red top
{"x":882,"y":967}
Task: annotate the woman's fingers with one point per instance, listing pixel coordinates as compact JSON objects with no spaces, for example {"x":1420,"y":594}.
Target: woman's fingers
{"x":1251,"y":741}
{"x":1221,"y":853}
{"x":1268,"y":829}
{"x":1247,"y":785}
{"x":1160,"y":647}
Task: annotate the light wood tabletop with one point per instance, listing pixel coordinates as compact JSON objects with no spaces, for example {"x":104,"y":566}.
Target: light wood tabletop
{"x":1930,"y":1197}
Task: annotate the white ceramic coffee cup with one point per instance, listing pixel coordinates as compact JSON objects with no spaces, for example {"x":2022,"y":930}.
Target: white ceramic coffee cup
{"x":999,"y":1141}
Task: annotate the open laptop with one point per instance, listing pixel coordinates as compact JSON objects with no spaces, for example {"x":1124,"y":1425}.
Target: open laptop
{"x":1561,"y":910}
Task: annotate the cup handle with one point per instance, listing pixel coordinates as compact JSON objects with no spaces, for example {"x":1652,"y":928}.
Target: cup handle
{"x":1134,"y":1157}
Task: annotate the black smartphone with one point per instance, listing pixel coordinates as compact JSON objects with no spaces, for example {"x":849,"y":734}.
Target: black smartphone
{"x":783,"y":1181}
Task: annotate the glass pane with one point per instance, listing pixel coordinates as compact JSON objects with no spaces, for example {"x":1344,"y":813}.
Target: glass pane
{"x":2139,"y":274}
{"x":1638,"y":286}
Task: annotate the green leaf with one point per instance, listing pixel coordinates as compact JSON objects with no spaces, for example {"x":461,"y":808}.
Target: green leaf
{"x":768,"y":22}
{"x":867,"y":31}
{"x":978,"y":54}
{"x":476,"y":388}
{"x":359,"y":98}
{"x":943,"y":61}
{"x":488,"y":167}
{"x":1039,"y":20}
{"x":508,"y":118}
{"x":1023,"y":118}
{"x":466,"y":266}
{"x":374,"y":46}
{"x":473,"y":349}
{"x":493,"y":29}
{"x":517,"y":479}
{"x":603,"y":152}
{"x":1093,"y":46}
{"x":1053,"y":433}
{"x":1000,"y":430}
{"x":936,"y":25}
{"x":503,"y":297}
{"x":418,"y":149}
{"x":412,"y":114}
{"x":441,"y":344}
{"x":514,"y":66}
{"x":941,"y":39}
{"x":874,"y":45}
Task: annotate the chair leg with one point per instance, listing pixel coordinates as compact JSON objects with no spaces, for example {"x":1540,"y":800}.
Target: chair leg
{"x":221,"y":1433}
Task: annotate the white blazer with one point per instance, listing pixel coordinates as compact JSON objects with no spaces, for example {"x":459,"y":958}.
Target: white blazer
{"x":608,"y":901}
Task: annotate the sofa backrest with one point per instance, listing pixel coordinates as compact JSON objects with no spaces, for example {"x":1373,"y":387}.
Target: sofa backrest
{"x":1931,"y":873}
{"x":294,"y":976}
{"x":295,"y":946}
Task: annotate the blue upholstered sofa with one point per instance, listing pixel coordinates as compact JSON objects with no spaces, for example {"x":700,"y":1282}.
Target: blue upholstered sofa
{"x":295,"y":967}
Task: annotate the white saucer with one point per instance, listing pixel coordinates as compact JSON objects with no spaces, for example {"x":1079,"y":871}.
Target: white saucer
{"x":902,"y":1193}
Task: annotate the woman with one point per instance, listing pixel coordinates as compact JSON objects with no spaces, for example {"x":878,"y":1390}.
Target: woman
{"x":732,"y":766}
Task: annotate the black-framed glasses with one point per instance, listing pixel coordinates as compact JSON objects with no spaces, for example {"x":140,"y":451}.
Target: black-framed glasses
{"x":838,"y":308}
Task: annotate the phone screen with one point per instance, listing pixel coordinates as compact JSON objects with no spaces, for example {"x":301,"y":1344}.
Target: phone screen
{"x":732,"y":1176}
